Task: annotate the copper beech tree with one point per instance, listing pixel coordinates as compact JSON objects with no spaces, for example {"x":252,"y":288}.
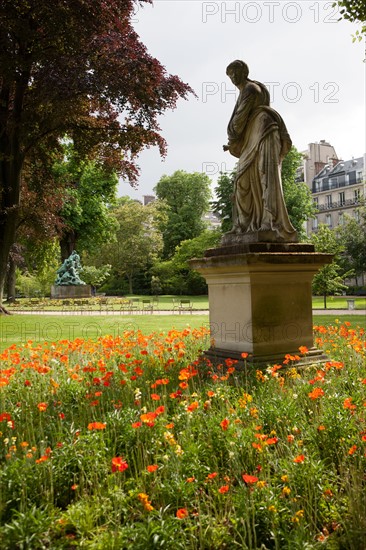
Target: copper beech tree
{"x":75,"y":68}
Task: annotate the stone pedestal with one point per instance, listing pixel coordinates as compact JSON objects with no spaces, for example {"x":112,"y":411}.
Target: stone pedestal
{"x":260,"y":299}
{"x":70,"y":292}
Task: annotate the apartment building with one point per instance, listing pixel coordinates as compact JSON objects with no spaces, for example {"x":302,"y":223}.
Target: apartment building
{"x":337,"y":192}
{"x":317,"y":155}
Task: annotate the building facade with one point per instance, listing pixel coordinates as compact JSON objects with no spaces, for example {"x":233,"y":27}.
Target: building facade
{"x":317,"y":155}
{"x":338,"y":192}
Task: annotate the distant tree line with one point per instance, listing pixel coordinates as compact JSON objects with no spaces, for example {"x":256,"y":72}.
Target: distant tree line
{"x":129,"y":248}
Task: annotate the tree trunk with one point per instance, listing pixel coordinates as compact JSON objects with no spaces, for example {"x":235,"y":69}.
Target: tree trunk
{"x":67,"y":244}
{"x":11,"y":280}
{"x":129,"y":277}
{"x":325,"y":301}
{"x":11,"y":165}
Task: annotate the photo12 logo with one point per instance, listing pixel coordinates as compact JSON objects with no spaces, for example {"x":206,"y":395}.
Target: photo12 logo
{"x":291,"y":92}
{"x":270,"y":12}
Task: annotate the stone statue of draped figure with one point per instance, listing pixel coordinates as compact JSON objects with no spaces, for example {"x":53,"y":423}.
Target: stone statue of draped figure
{"x":258,"y":138}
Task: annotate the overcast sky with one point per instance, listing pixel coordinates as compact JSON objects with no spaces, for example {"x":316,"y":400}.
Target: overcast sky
{"x":315,"y":74}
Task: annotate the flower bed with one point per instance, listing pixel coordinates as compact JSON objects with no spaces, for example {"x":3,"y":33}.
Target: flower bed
{"x":133,"y":442}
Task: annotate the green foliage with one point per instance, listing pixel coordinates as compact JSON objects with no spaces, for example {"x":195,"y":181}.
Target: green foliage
{"x":95,"y":276}
{"x":355,"y":12}
{"x":138,"y":239}
{"x":187,"y":198}
{"x":298,"y":198}
{"x":90,"y":190}
{"x":175,"y":274}
{"x":353,"y":237}
{"x":223,"y":205}
{"x":330,"y":278}
{"x":42,"y":260}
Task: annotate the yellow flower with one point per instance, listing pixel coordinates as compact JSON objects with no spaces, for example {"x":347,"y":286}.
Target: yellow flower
{"x":261,"y":484}
{"x":286,"y":491}
{"x":284,"y":478}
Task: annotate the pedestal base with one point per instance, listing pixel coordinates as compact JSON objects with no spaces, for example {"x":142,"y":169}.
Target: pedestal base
{"x":218,"y":356}
{"x":70,"y":292}
{"x":260,"y":301}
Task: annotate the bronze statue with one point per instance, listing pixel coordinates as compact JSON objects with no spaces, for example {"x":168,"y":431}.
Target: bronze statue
{"x":68,"y":273}
{"x":258,"y":137}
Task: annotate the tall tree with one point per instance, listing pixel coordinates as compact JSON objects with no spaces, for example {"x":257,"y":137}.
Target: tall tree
{"x":223,"y":205}
{"x":298,"y":199}
{"x":187,"y":197}
{"x":139,"y":241}
{"x":297,"y":195}
{"x":330,"y":279}
{"x":353,"y":237}
{"x":76,"y":67}
{"x":89,"y":191}
{"x":175,"y":275}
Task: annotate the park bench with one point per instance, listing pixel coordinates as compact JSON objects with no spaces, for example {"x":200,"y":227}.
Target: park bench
{"x":147,"y":306}
{"x":185,"y":305}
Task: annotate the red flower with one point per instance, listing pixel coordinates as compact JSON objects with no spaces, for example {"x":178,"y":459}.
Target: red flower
{"x":155,"y":397}
{"x":192,"y":406}
{"x":224,"y":489}
{"x":347,"y":404}
{"x":152,"y":468}
{"x":119,"y":464}
{"x":182,"y":513}
{"x":352,"y":450}
{"x":316,"y":393}
{"x":224,"y":424}
{"x":97,"y":426}
{"x":298,"y":459}
{"x":249,"y":479}
{"x":42,"y":407}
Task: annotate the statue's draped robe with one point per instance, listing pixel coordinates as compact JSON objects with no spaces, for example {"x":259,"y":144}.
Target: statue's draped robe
{"x":259,"y":139}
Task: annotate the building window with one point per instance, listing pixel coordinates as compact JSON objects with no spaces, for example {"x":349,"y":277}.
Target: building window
{"x":359,"y":177}
{"x":356,"y":195}
{"x":342,"y":199}
{"x":316,"y":202}
{"x":356,"y":215}
{"x":333,"y":183}
{"x":341,"y":219}
{"x":315,"y":224}
{"x":328,"y":199}
{"x":328,"y":220}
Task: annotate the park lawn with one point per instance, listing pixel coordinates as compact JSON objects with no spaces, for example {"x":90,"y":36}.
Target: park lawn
{"x":339,"y":302}
{"x":167,"y":303}
{"x":18,"y":329}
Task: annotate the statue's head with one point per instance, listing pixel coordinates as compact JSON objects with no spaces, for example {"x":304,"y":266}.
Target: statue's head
{"x":237,"y":71}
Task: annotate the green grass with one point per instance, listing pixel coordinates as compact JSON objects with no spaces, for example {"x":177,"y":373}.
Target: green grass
{"x":168,"y":302}
{"x":17,"y":329}
{"x":338,"y":302}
